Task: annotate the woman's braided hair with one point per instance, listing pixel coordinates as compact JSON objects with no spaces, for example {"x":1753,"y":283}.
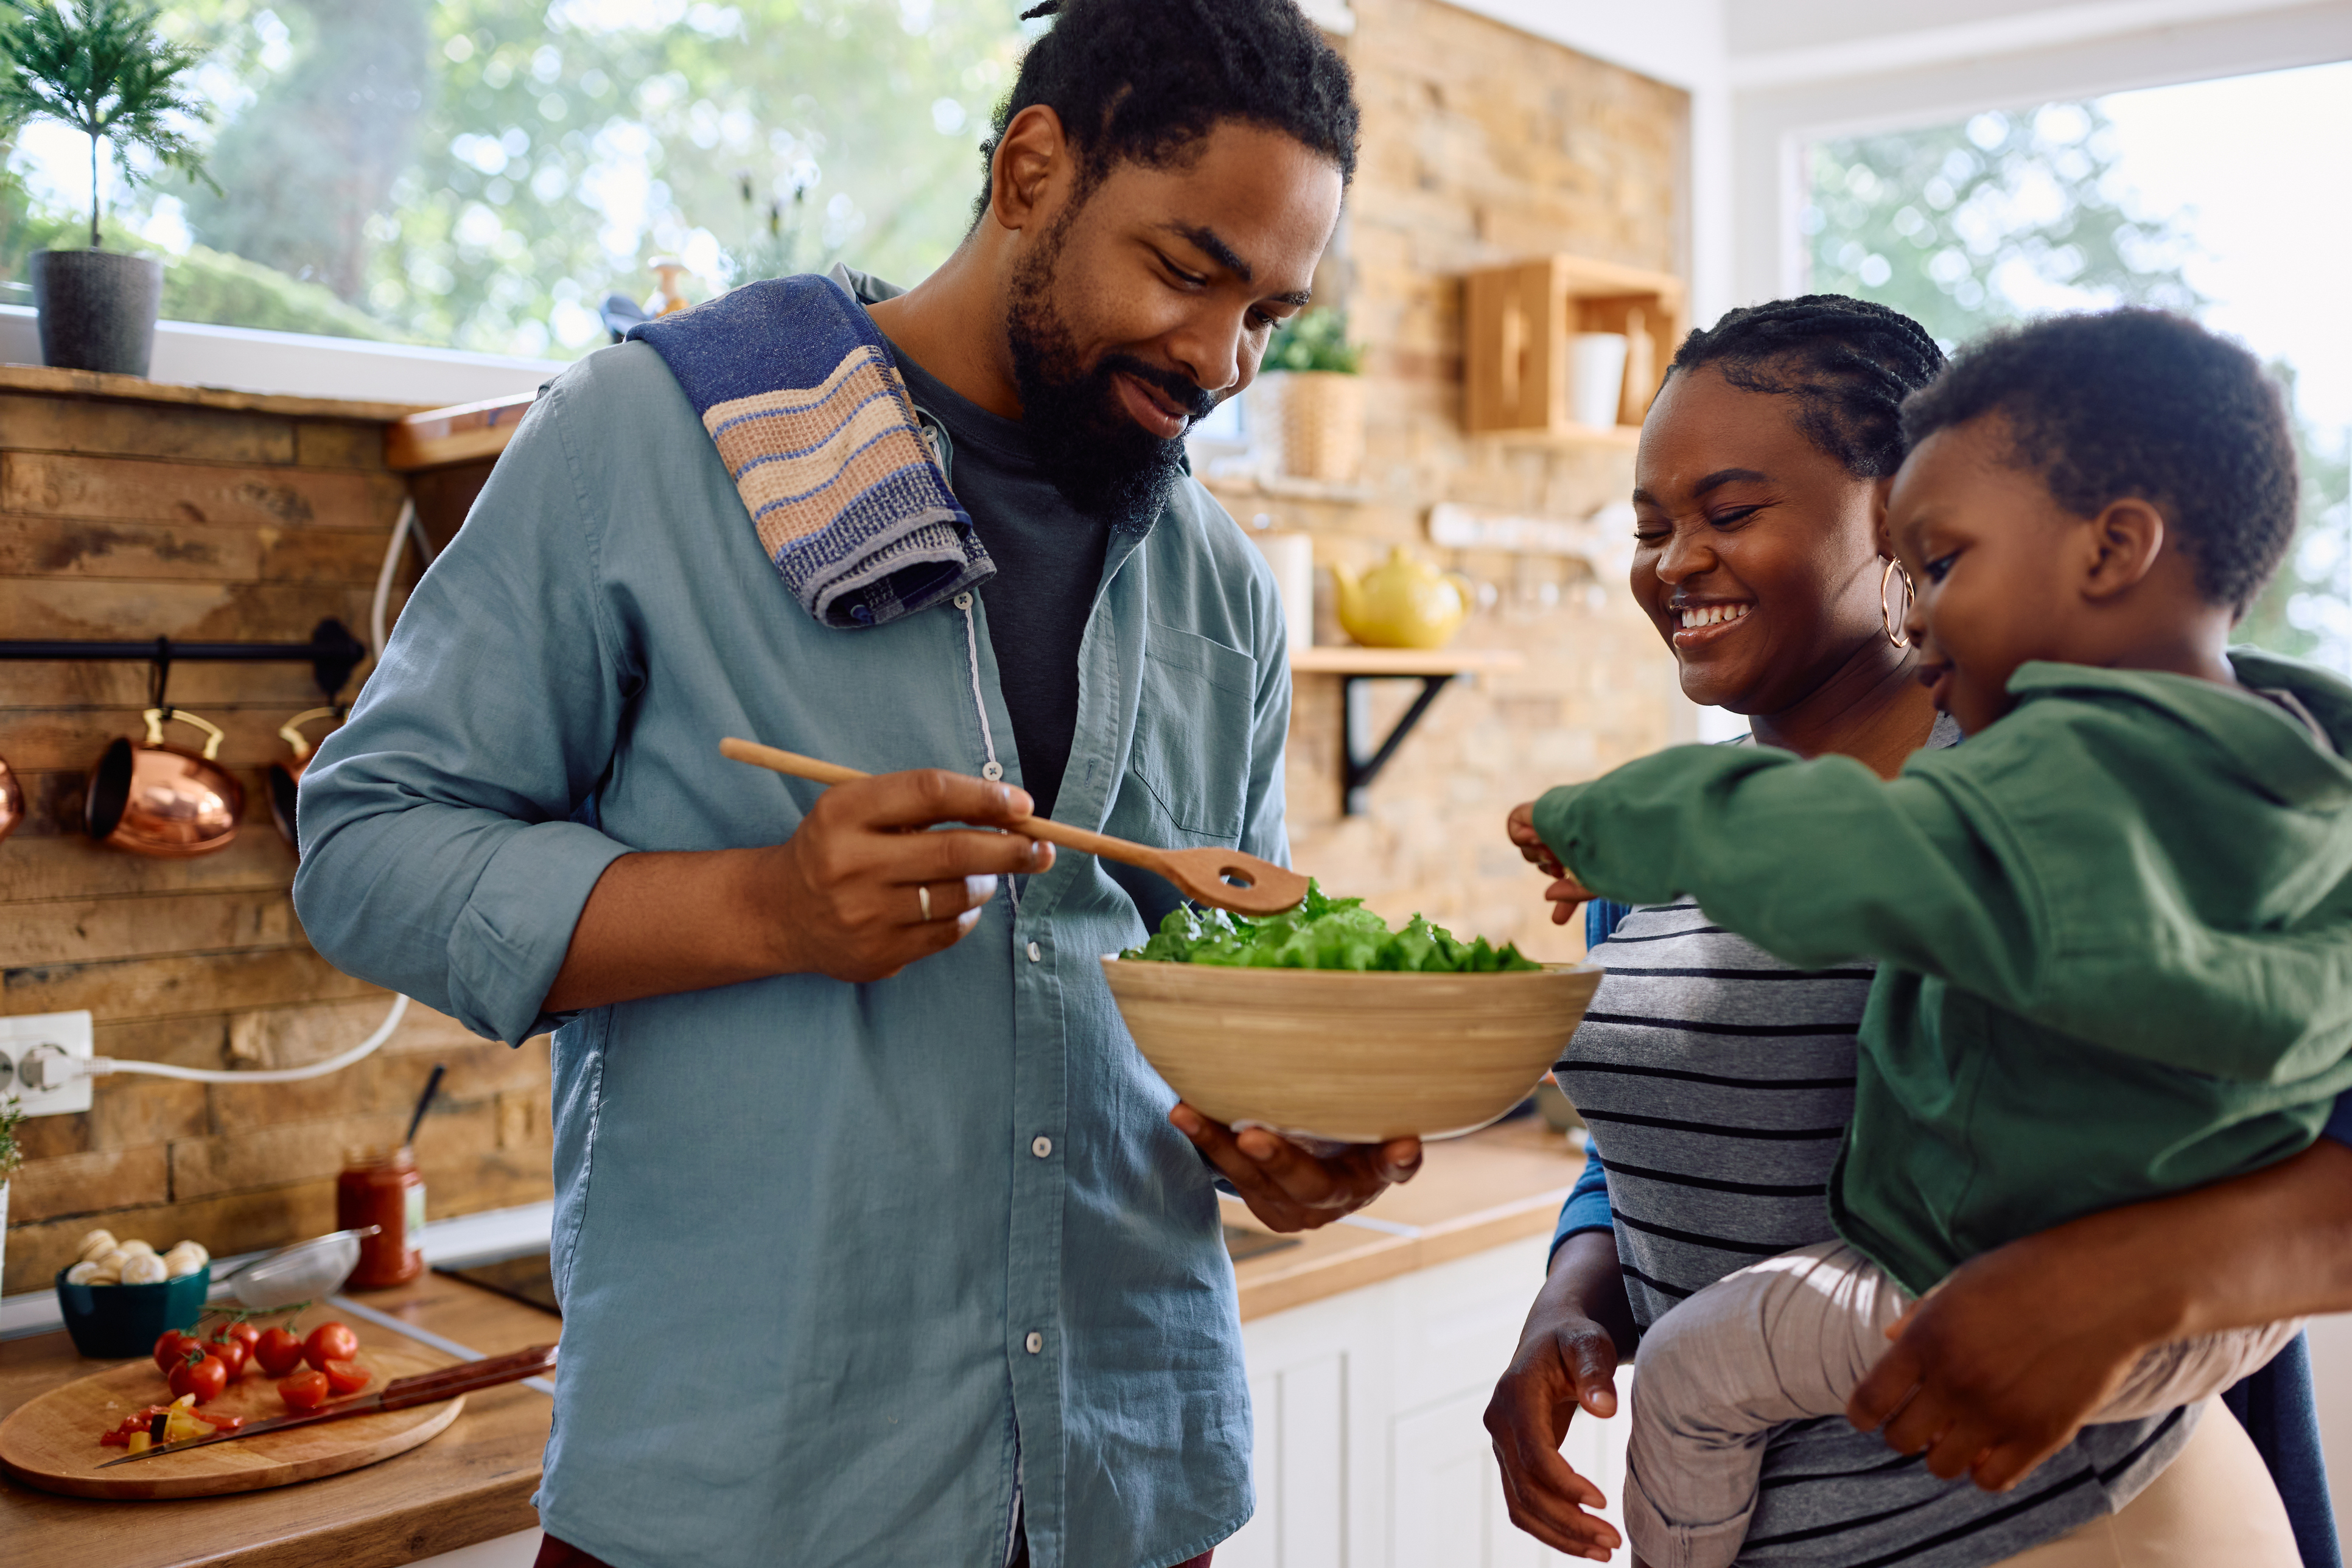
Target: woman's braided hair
{"x":1847,"y":363}
{"x":1143,"y":80}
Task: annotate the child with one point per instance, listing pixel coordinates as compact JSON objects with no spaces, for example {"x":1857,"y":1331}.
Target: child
{"x":2115,"y":923}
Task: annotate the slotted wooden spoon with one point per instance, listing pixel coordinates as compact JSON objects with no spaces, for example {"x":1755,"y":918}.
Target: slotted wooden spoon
{"x":1226,"y":878}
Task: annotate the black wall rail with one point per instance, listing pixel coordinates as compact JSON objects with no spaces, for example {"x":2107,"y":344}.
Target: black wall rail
{"x":333,"y":652}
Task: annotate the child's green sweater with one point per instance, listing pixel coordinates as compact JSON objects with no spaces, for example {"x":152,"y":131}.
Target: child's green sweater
{"x":2116,"y":935}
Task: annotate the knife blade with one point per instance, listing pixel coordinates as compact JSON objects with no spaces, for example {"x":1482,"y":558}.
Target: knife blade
{"x":402,"y":1394}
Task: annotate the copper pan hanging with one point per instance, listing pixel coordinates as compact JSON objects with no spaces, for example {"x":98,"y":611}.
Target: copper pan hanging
{"x":150,"y":798}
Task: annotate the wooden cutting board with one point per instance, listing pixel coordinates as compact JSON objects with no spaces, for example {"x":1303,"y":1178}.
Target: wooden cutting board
{"x":52,"y":1442}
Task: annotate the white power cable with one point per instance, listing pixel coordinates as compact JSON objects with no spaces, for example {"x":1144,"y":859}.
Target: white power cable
{"x":99,"y":1067}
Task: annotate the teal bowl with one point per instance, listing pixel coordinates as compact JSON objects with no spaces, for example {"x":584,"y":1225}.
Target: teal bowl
{"x":113,"y":1323}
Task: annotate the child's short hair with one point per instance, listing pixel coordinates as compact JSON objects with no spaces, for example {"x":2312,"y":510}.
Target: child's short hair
{"x":2140,"y":403}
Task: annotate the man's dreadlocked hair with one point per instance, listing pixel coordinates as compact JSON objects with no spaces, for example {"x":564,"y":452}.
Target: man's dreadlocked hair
{"x":1145,"y":80}
{"x":1847,"y":363}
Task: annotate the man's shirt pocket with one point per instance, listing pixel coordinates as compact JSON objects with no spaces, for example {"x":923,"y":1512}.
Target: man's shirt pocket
{"x":1190,"y":767}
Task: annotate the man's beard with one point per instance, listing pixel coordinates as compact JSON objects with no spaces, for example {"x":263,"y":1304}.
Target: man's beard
{"x":1104,"y":463}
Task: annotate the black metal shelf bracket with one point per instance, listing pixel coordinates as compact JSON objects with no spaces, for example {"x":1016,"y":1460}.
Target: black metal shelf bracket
{"x":1362,"y":763}
{"x":333,"y":652}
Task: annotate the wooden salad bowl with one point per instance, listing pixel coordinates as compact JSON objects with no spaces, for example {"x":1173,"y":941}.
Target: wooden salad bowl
{"x":1352,"y":1057}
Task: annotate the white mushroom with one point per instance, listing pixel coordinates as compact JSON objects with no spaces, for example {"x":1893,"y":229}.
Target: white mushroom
{"x":145,"y":1247}
{"x":96,"y":1245}
{"x":177,"y":1263}
{"x":79,"y":1273}
{"x":145,"y":1269}
{"x":194,"y":1248}
{"x":101,"y":1275}
{"x":112,"y":1262}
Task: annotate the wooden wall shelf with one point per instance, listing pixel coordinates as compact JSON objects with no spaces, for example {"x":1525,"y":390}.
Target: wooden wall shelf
{"x":1404,"y":661}
{"x":1435,"y":669}
{"x":1517,"y":322}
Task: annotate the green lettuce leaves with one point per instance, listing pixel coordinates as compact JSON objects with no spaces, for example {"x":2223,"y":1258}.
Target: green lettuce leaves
{"x":1324,"y":933}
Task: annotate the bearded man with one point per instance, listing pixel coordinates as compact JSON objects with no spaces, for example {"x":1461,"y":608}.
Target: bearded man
{"x":875,"y":1241}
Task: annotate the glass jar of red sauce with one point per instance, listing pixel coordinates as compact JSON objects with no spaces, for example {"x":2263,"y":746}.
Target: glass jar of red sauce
{"x":381,"y":1187}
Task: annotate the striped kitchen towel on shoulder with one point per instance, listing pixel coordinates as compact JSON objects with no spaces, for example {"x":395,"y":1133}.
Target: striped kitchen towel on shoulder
{"x":798,"y":393}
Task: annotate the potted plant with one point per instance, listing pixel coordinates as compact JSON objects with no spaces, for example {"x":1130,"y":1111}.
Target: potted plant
{"x":12,"y":1154}
{"x":99,"y":66}
{"x":1322,"y":396}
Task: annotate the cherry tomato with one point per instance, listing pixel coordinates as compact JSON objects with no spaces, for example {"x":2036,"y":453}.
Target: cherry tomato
{"x":172,"y":1349}
{"x":329,"y":1342}
{"x":246,"y":1334}
{"x":201,"y":1376}
{"x":304,"y":1390}
{"x":279,"y":1351}
{"x":347,"y":1376}
{"x":232,"y":1356}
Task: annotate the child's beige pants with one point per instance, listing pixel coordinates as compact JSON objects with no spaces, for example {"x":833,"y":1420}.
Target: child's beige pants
{"x":1789,"y":1339}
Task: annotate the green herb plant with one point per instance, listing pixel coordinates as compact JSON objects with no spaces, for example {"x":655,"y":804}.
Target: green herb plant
{"x":1324,"y":933}
{"x":99,"y":66}
{"x":1314,"y":340}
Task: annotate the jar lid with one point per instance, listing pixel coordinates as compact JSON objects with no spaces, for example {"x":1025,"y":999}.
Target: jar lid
{"x":357,"y":1156}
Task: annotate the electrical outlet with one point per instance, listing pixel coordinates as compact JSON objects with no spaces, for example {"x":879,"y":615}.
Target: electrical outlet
{"x":37,"y":1055}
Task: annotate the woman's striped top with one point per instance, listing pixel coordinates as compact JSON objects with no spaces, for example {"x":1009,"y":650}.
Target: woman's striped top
{"x":1716,"y":1082}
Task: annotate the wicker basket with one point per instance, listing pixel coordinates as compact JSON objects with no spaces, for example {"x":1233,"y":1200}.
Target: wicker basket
{"x":1322,"y":426}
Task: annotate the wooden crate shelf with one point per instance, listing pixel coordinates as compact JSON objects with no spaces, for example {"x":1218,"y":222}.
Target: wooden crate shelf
{"x":1518,"y":320}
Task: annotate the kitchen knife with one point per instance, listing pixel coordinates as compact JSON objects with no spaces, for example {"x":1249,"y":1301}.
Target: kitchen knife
{"x":425,"y":1388}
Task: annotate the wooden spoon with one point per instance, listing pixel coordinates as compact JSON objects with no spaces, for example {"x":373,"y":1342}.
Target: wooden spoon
{"x":1226,"y":878}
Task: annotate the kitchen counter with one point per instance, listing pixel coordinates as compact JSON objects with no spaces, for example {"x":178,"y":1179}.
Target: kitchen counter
{"x":1472,"y":1194}
{"x":474,"y":1482}
{"x":470,"y":1484}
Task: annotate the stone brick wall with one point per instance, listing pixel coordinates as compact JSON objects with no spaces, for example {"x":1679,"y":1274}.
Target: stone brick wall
{"x":1481,"y":146}
{"x":207,"y":517}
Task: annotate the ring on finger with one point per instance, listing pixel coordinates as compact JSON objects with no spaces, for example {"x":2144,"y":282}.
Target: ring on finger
{"x":923,"y":897}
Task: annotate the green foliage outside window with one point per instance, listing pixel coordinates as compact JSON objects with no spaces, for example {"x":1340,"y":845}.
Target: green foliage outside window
{"x":1314,"y":340}
{"x":481,"y":173}
{"x":1970,"y":226}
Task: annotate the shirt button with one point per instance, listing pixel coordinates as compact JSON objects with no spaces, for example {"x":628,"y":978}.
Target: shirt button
{"x":1040,"y":1146}
{"x":1035,"y":1342}
{"x":963,"y":601}
{"x":992,"y":772}
{"x":1036,"y":953}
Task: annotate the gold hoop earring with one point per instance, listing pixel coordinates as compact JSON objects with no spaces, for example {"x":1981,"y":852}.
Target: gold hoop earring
{"x":1886,"y":615}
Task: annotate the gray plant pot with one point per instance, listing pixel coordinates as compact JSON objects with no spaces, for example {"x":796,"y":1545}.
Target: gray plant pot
{"x":97,"y":308}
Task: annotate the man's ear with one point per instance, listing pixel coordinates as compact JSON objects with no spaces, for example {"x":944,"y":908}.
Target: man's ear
{"x":2122,"y":544}
{"x":1031,"y":171}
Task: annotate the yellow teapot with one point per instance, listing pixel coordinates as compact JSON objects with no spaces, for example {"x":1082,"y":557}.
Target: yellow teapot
{"x":1402,"y":603}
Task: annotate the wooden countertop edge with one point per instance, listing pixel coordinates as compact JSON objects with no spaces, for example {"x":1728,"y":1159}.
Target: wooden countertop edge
{"x":139,"y":389}
{"x":448,"y":1520}
{"x":1272,"y":1284}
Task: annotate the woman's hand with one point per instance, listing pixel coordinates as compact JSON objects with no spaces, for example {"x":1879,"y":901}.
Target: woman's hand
{"x":1566,"y":893}
{"x":1566,"y":1361}
{"x":2000,"y":1366}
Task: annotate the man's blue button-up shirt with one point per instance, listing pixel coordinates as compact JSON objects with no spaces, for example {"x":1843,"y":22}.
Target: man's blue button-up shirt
{"x":840,"y":1264}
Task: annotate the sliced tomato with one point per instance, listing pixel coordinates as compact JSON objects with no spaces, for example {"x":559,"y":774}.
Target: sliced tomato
{"x":329,"y":1342}
{"x":225,"y":1423}
{"x":117,"y":1439}
{"x":347,"y":1376}
{"x":304,"y":1390}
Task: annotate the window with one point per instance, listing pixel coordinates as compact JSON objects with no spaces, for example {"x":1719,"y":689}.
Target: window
{"x":2231,"y":200}
{"x":479,"y":173}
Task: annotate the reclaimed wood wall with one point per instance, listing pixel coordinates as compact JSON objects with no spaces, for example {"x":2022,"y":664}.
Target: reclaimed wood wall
{"x":129,"y":510}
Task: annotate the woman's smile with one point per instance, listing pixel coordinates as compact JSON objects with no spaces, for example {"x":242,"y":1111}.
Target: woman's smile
{"x":1696,"y":625}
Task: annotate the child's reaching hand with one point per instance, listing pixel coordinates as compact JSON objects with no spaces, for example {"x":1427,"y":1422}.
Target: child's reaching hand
{"x":1566,"y":893}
